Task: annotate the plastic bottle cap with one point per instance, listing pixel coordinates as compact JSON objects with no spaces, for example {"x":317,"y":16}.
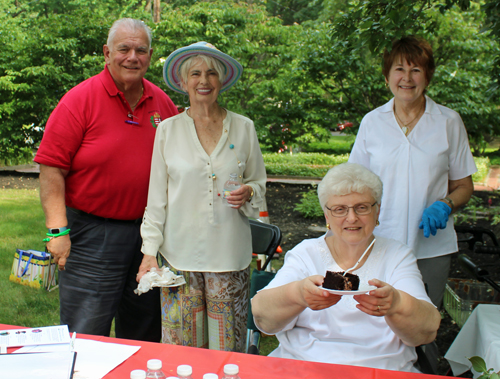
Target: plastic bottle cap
{"x":138,"y":374}
{"x":210,"y":376}
{"x":231,"y":369}
{"x":184,"y":370}
{"x":154,"y":364}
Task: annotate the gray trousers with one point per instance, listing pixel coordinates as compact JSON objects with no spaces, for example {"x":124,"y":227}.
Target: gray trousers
{"x":435,"y":273}
{"x":99,"y":279}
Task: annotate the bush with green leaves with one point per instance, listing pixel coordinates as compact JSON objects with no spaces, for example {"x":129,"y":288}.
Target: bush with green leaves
{"x":476,"y":209}
{"x":301,"y":164}
{"x":335,"y":145}
{"x":483,"y":167}
{"x":309,"y":206}
{"x":494,"y":157}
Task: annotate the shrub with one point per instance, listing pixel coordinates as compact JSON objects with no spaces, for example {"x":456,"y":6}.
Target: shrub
{"x":483,"y":166}
{"x":309,"y":206}
{"x":302,"y":164}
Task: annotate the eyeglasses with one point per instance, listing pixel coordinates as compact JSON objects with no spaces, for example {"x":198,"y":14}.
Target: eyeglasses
{"x":343,"y":210}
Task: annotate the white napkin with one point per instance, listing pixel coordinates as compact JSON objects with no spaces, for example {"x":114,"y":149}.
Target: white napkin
{"x":159,"y":278}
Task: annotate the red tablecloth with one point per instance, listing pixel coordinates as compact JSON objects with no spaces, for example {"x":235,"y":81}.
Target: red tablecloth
{"x":251,"y":366}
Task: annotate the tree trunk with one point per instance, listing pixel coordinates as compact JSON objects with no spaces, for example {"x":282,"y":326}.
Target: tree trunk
{"x":156,"y":11}
{"x":147,"y":7}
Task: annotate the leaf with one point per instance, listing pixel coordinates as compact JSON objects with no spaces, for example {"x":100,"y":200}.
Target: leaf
{"x":478,"y":364}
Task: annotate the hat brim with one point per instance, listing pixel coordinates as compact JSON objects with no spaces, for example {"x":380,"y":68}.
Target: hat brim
{"x":179,"y":56}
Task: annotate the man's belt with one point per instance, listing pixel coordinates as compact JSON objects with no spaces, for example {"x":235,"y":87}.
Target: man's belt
{"x":99,"y":218}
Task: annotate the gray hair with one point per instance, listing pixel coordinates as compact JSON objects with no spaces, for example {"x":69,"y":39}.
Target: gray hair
{"x":128,"y":23}
{"x":347,"y":178}
{"x":211,"y":62}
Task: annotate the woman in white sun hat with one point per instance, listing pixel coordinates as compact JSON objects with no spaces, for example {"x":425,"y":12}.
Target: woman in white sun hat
{"x":201,"y":231}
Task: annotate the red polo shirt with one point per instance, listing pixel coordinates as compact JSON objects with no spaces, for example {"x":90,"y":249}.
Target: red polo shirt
{"x":105,"y":146}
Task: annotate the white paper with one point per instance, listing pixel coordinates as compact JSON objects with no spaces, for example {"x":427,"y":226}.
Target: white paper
{"x":56,"y":365}
{"x":35,"y":336}
{"x":94,"y":359}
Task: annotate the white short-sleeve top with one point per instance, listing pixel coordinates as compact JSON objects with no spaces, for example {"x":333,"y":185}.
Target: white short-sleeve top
{"x":415,"y":171}
{"x":342,"y":334}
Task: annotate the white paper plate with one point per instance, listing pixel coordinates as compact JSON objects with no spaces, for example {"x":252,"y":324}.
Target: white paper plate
{"x":362,"y":289}
{"x":179,"y":281}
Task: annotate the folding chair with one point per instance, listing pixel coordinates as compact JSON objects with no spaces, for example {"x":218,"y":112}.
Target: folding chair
{"x":265,"y":240}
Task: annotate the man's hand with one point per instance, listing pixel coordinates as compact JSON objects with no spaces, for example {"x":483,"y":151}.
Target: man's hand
{"x":60,"y":248}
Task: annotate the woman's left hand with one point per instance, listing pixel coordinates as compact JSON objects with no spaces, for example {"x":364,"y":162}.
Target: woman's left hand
{"x":380,"y":301}
{"x":240,"y":196}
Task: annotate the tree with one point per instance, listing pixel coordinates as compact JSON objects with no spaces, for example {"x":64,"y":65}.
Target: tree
{"x":268,"y":91}
{"x":463,"y":75}
{"x":294,"y":11}
{"x":492,"y":25}
{"x":46,"y":52}
{"x":350,"y":69}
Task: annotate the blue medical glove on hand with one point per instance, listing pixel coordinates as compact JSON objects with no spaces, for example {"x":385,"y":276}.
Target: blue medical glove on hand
{"x":435,"y":217}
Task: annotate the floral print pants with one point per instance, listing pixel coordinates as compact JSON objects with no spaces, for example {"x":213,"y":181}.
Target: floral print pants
{"x":209,"y":311}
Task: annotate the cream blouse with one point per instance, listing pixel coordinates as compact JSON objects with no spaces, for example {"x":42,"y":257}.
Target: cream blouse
{"x":185,"y":219}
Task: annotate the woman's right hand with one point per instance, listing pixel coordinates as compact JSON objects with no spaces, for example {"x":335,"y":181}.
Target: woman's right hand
{"x":274,"y":308}
{"x":313,"y":297}
{"x":148,"y":262}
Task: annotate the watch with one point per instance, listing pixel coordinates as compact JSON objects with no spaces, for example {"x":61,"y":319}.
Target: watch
{"x":450,"y":203}
{"x":57,"y":230}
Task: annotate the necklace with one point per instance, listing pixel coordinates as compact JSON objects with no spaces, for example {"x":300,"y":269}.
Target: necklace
{"x":231,"y":147}
{"x":139,"y":99}
{"x":405,"y":127}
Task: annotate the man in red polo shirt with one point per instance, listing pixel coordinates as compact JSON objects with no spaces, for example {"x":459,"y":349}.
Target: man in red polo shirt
{"x":95,"y":160}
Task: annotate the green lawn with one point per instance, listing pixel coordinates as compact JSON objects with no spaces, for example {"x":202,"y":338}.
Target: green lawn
{"x":22,"y":225}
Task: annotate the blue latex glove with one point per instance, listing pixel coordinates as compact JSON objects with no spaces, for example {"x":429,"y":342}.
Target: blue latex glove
{"x":435,"y":217}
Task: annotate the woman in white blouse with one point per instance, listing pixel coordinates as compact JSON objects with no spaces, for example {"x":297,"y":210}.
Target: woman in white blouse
{"x":421,"y":152}
{"x":201,"y":231}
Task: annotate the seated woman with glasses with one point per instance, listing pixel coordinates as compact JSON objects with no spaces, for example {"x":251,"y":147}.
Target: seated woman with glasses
{"x":379,"y":328}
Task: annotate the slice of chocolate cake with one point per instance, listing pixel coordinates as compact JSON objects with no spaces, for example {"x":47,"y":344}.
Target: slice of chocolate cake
{"x":337,"y":281}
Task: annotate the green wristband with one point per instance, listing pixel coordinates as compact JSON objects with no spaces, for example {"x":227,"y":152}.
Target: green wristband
{"x":51,"y":235}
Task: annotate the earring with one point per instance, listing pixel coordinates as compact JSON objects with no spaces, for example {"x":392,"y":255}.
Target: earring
{"x":386,"y":85}
{"x":186,"y":99}
{"x":377,"y":223}
{"x":328,"y":226}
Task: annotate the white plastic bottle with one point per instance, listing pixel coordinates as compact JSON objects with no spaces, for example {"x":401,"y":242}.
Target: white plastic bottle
{"x":138,"y":374}
{"x":231,"y":184}
{"x":154,"y":369}
{"x":210,"y":376}
{"x":231,"y":372}
{"x":184,"y":372}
